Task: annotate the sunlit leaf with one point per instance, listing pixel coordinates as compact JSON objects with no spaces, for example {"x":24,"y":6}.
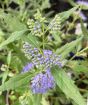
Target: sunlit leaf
{"x":14,"y":36}
{"x":17,"y":81}
{"x":67,"y":86}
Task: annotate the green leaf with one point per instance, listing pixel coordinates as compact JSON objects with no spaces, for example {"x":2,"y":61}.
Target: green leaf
{"x":72,"y":2}
{"x":64,"y":50}
{"x":37,"y":99}
{"x":83,"y":6}
{"x":19,"y":54}
{"x":14,"y":36}
{"x":65,"y":15}
{"x":9,"y":57}
{"x":17,"y":81}
{"x":44,"y":101}
{"x":20,"y":2}
{"x":12,"y":22}
{"x":45,"y":4}
{"x":32,"y":40}
{"x":5,"y":74}
{"x":67,"y":86}
{"x":57,"y":38}
{"x":84,"y":30}
{"x":78,"y":67}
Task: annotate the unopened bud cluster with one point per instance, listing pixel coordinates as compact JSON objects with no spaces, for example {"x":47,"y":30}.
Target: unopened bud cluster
{"x":35,"y":25}
{"x":55,"y":24}
{"x":38,"y":24}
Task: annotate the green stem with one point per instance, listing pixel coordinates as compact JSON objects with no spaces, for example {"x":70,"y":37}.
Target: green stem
{"x":83,"y":50}
{"x":78,"y":53}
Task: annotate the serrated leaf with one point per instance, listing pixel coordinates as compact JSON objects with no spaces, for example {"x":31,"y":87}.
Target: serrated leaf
{"x":64,"y":50}
{"x":14,"y":36}
{"x":17,"y":81}
{"x":67,"y":86}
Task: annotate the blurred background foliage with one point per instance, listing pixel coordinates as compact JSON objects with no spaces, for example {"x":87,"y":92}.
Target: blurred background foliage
{"x":71,"y":41}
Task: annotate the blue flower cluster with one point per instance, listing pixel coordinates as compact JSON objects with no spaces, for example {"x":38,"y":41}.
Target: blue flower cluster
{"x":45,"y":59}
{"x":82,"y":2}
{"x":28,"y":67}
{"x":43,"y":81}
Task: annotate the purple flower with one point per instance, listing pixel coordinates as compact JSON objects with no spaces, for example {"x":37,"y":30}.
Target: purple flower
{"x":37,"y":27}
{"x":42,"y":82}
{"x":83,"y":16}
{"x":47,"y":52}
{"x":46,"y":59}
{"x":28,"y":67}
{"x":29,"y":50}
{"x":82,"y":2}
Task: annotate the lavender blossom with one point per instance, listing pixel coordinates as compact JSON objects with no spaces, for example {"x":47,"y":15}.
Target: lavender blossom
{"x":37,"y":29}
{"x":28,"y":67}
{"x":42,"y":82}
{"x":29,"y":50}
{"x":37,"y":26}
{"x":82,"y":2}
{"x":83,"y":16}
{"x":47,"y":58}
{"x":47,"y":52}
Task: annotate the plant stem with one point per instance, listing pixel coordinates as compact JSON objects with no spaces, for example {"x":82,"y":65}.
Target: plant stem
{"x":78,"y":53}
{"x":7,"y":98}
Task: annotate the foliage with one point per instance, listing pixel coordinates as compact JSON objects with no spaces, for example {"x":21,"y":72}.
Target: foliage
{"x":33,"y":26}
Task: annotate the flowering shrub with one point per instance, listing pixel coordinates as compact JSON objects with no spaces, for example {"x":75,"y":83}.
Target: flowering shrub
{"x":43,"y":60}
